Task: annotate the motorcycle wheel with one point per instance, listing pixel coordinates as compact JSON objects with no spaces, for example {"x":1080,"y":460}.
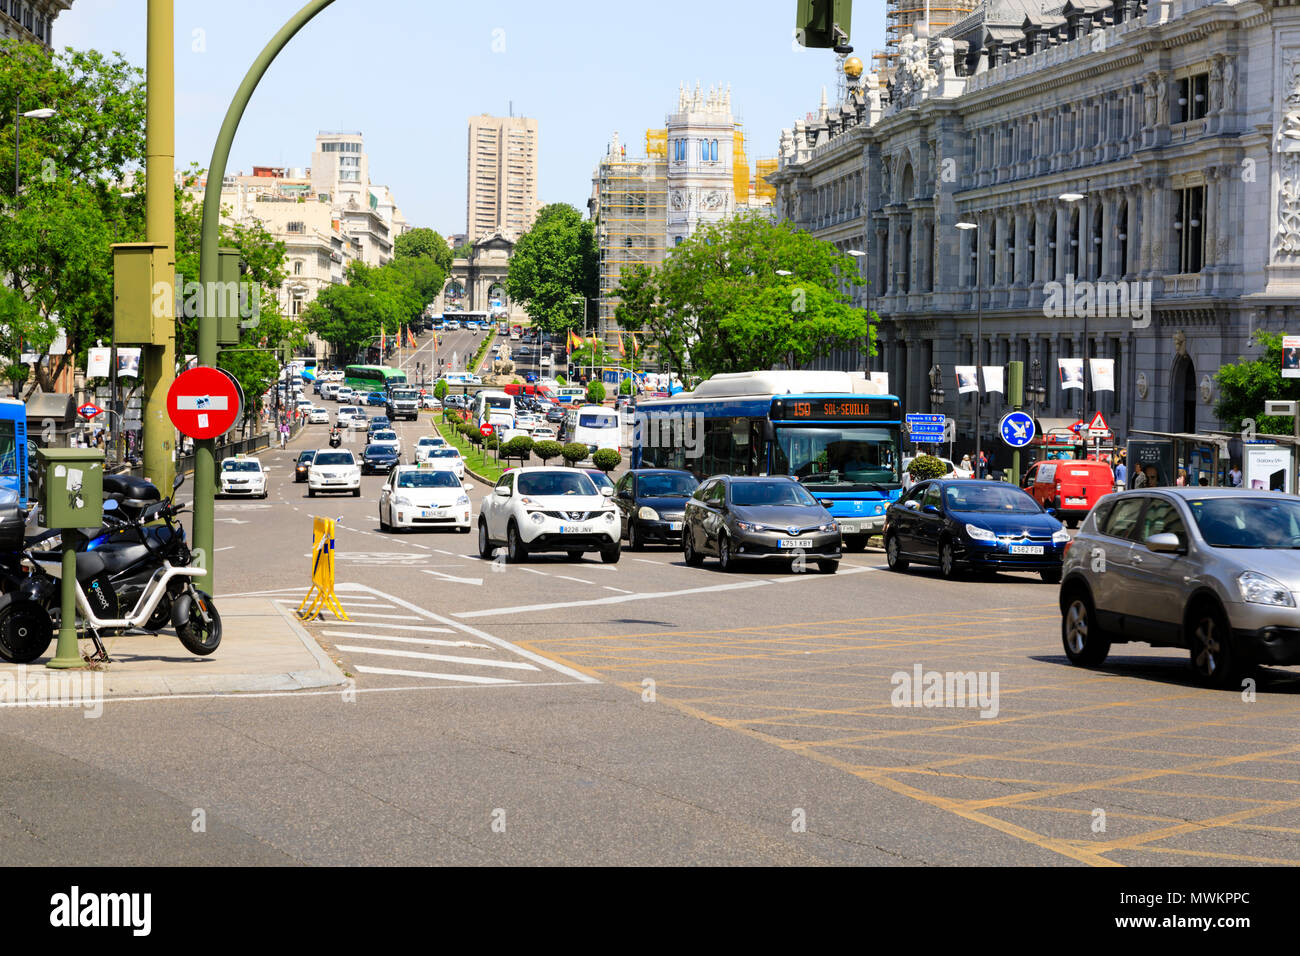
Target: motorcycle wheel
{"x":199,"y":636}
{"x":25,"y":631}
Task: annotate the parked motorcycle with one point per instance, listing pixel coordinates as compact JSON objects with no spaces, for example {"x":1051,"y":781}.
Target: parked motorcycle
{"x":131,"y":562}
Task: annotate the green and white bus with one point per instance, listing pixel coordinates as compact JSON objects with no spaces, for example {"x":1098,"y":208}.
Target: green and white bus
{"x":372,"y":378}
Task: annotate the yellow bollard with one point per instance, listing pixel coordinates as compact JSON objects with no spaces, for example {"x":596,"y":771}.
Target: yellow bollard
{"x":322,"y":574}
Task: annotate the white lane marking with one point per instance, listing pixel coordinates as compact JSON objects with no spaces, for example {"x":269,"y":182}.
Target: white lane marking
{"x":444,"y":658}
{"x":545,"y":574}
{"x":565,"y":577}
{"x":476,"y":632}
{"x":400,"y":627}
{"x":619,"y":590}
{"x":227,"y":548}
{"x":364,"y":613}
{"x":431,"y":641}
{"x":529,"y":608}
{"x":466,"y":678}
{"x":647,"y":561}
{"x":469,"y":557}
{"x":441,"y":551}
{"x":262,"y":593}
{"x":452,"y":578}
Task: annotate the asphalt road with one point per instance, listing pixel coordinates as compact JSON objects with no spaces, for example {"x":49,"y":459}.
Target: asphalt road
{"x":646,"y":712}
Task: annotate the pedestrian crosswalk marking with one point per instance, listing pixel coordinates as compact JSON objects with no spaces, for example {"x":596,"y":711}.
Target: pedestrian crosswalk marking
{"x":445,"y":658}
{"x":432,"y":641}
{"x":465,"y":678}
{"x":428,"y":629}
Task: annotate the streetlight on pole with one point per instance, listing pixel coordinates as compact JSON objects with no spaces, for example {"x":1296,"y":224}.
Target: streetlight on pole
{"x":859,"y":254}
{"x":979,"y":332}
{"x":19,"y":116}
{"x":584,"y":300}
{"x":1071,"y":199}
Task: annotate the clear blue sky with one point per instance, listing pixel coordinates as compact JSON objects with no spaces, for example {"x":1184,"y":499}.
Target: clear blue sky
{"x":409,"y":74}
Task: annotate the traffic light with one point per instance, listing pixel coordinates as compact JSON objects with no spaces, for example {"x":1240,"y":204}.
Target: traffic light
{"x":817,"y":22}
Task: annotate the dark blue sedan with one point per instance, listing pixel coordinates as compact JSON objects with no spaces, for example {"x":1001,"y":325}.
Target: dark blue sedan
{"x":974,"y":525}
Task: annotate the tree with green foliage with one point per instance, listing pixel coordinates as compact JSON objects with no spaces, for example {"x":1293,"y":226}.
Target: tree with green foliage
{"x":55,"y":242}
{"x":351,"y":314}
{"x":1246,"y":385}
{"x":464,"y":251}
{"x":606,"y":459}
{"x":440,"y":389}
{"x":574,"y":452}
{"x":546,"y":450}
{"x":595,"y":392}
{"x":423,"y":243}
{"x":925,"y":467}
{"x":625,"y":387}
{"x":717,"y":304}
{"x":553,"y":263}
{"x":520,"y":447}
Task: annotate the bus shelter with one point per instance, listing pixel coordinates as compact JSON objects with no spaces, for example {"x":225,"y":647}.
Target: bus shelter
{"x":1178,"y":458}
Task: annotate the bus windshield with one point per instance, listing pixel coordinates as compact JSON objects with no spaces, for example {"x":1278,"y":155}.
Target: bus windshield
{"x":497,"y":401}
{"x":843,"y":458}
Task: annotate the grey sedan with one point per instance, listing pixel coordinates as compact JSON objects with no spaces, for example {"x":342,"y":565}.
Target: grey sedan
{"x":1213,"y":570}
{"x":743,"y":519}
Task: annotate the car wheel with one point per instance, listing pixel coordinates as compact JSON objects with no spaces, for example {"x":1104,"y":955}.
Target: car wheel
{"x":611,"y":554}
{"x":484,"y":542}
{"x":383,"y":525}
{"x":828,"y":567}
{"x":516,"y":550}
{"x":1210,"y":643}
{"x":948,"y":561}
{"x":311,"y":492}
{"x":725,"y":560}
{"x":1051,"y":575}
{"x":893,"y":556}
{"x":692,"y":557}
{"x":1072,"y":523}
{"x":633,"y":541}
{"x":1085,"y":643}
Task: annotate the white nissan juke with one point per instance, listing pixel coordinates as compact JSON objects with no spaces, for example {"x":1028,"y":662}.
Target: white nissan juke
{"x":549,"y":509}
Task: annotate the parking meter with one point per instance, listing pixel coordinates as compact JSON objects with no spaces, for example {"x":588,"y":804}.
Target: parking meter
{"x":72,"y":496}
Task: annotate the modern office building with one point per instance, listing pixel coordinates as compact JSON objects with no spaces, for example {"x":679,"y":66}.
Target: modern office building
{"x":502,"y":176}
{"x":1132,"y":173}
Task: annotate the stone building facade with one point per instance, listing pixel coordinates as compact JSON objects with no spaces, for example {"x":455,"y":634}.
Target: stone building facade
{"x":1140,"y":160}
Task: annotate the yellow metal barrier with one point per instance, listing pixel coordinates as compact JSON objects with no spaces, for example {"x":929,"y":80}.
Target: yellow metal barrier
{"x":322,"y":574}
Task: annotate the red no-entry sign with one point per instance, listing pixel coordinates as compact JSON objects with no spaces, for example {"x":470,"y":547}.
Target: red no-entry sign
{"x":203,"y":402}
{"x":485,"y":430}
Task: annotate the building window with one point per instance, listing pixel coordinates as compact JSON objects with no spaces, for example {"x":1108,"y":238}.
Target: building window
{"x":1192,"y":97}
{"x":1188,"y":229}
{"x":1031,"y":251}
{"x":295,"y":227}
{"x":1122,"y":236}
{"x":704,"y":150}
{"x":713,"y":151}
{"x":297,"y":267}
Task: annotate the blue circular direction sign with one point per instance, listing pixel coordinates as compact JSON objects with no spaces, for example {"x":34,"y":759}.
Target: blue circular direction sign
{"x":1017,"y":429}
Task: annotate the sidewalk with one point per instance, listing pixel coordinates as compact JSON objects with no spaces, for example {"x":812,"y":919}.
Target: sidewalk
{"x":263,"y":648}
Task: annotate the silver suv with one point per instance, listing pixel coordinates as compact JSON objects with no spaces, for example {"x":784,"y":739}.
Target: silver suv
{"x":1214,"y":570}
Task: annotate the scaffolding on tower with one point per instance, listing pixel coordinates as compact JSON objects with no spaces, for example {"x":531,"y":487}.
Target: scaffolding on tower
{"x":632,"y":217}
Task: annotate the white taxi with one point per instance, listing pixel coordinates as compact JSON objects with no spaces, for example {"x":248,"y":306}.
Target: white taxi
{"x":386,"y":436}
{"x":334,"y":469}
{"x":446,"y":458}
{"x":242,"y":476}
{"x":417,"y":496}
{"x":426,"y":443}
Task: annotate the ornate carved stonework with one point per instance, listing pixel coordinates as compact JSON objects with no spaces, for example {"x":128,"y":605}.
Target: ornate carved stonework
{"x":1287,"y":144}
{"x":1149,"y":99}
{"x":1180,"y":344}
{"x":913,"y":75}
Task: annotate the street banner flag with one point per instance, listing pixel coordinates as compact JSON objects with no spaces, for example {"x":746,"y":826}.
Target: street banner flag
{"x":1071,"y":371}
{"x":993,"y":379}
{"x":966,"y":379}
{"x":1103,"y":374}
{"x":97,"y":363}
{"x":383,"y":345}
{"x":621,"y":350}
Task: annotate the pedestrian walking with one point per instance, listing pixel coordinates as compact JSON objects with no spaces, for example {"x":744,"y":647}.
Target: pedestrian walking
{"x":284,"y":435}
{"x":1234,"y":475}
{"x":965,"y":464}
{"x":1121,"y":475}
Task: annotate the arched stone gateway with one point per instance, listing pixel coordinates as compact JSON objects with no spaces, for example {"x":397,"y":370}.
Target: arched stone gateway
{"x":481,"y":279}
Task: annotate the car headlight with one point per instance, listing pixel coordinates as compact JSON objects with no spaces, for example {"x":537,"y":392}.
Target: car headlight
{"x":1061,"y":537}
{"x":827,"y":528}
{"x":1259,"y":588}
{"x":537,"y":517}
{"x":401,"y":502}
{"x":609,"y":515}
{"x":976,"y":533}
{"x":747,"y":526}
{"x":647,"y":514}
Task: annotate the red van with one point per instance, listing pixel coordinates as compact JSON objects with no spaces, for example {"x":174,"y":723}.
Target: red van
{"x":1071,"y":488}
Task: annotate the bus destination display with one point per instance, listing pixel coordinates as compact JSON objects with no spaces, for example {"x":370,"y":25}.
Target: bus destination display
{"x":835,"y":409}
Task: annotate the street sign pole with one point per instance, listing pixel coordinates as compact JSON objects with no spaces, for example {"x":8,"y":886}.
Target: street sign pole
{"x":1016,"y":392}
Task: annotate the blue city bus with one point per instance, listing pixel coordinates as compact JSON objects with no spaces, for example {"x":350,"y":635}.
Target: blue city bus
{"x":13,"y":448}
{"x":832,"y":431}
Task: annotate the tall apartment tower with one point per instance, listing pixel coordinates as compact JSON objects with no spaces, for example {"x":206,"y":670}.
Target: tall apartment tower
{"x":340,"y":168}
{"x":502,"y":184}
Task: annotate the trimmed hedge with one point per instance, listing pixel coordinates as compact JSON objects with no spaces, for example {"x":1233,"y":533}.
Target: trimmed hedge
{"x":546,"y":450}
{"x":606,"y":459}
{"x":574,"y":452}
